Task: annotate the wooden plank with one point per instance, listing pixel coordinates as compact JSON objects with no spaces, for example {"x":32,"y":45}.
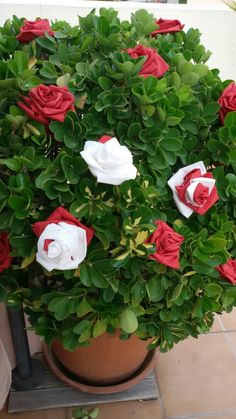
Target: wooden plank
{"x":53,"y":393}
{"x":64,"y":396}
{"x":50,"y":381}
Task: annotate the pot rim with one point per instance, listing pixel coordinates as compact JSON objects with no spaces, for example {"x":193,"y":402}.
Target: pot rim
{"x":142,"y":373}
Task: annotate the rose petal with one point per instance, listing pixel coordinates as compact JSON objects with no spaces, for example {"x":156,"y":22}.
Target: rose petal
{"x":167,"y":243}
{"x":5,"y":258}
{"x":228,"y":270}
{"x":58,"y":215}
{"x":178,"y":179}
{"x":67,"y":249}
{"x":227,"y":101}
{"x":104,"y":139}
{"x":167,"y":26}
{"x":33,"y":29}
{"x":208,"y":183}
{"x":109,"y":162}
{"x":46,"y":103}
{"x":154,"y":65}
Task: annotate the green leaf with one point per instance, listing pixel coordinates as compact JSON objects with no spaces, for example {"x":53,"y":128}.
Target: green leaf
{"x":171,"y":144}
{"x":85,"y":275}
{"x":81,"y":327}
{"x":103,"y":26}
{"x":201,"y":69}
{"x":154,"y":289}
{"x":14,"y":164}
{"x":48,"y":44}
{"x":227,"y":227}
{"x":81,"y":69}
{"x":211,"y":108}
{"x":3,"y":294}
{"x":165,"y":316}
{"x":175,"y":80}
{"x":138,"y":292}
{"x":215,"y":244}
{"x":94,"y":413}
{"x":70,"y":342}
{"x":60,"y":306}
{"x":85,"y":335}
{"x":63,"y":80}
{"x":99,"y":328}
{"x":98,"y":279}
{"x":176,"y":292}
{"x":230,"y":119}
{"x":105,"y":83}
{"x":167,"y":334}
{"x":128,"y":321}
{"x":148,"y":28}
{"x":48,"y":70}
{"x":108,"y":294}
{"x":213,"y":290}
{"x":126,"y":68}
{"x":19,"y":63}
{"x":24,"y":244}
{"x":73,"y":168}
{"x":83,"y":308}
{"x":232,"y":156}
{"x":198,"y":53}
{"x":31,"y":82}
{"x":185,"y":67}
{"x":190,"y":78}
{"x":79,"y":413}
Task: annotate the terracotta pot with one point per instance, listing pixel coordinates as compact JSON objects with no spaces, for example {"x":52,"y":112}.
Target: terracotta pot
{"x":108,"y":359}
{"x":69,"y":379}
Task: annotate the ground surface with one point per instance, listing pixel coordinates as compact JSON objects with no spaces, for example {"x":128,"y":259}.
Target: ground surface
{"x":197,"y":379}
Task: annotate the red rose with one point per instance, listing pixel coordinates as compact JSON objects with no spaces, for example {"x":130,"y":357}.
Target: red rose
{"x":227,"y":101}
{"x":46,"y":103}
{"x":104,"y":139}
{"x":60,"y":214}
{"x":31,"y":30}
{"x":5,"y":258}
{"x":167,"y":26}
{"x":228,"y":270}
{"x":154,"y":64}
{"x":167,"y":243}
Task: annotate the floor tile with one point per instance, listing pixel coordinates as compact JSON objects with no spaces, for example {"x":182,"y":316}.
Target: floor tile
{"x":231,"y":341}
{"x":198,"y":376}
{"x":216,"y":416}
{"x":216,"y":327}
{"x":128,"y":410}
{"x":40,"y":414}
{"x":229,"y":320}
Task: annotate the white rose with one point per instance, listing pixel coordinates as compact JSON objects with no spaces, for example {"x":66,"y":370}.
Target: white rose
{"x":66,"y":249}
{"x":109,"y":162}
{"x":178,"y":178}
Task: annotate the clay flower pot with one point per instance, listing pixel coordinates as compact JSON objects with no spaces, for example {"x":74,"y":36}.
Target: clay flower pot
{"x":108,"y":365}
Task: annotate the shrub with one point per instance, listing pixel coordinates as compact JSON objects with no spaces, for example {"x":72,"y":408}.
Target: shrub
{"x":103,"y":224}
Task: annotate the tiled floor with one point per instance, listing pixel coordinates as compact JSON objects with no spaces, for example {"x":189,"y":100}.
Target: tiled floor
{"x":197,"y":379}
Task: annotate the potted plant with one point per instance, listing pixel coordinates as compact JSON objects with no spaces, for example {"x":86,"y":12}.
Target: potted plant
{"x":117,"y":157}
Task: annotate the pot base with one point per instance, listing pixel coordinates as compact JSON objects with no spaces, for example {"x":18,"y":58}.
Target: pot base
{"x":68,"y":378}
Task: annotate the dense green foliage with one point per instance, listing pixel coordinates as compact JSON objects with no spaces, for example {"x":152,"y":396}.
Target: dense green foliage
{"x":166,"y":123}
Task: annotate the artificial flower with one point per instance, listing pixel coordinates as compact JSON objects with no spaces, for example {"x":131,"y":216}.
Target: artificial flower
{"x":47,"y":103}
{"x":33,"y":29}
{"x":167,"y":243}
{"x":193,"y":189}
{"x":109,"y":161}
